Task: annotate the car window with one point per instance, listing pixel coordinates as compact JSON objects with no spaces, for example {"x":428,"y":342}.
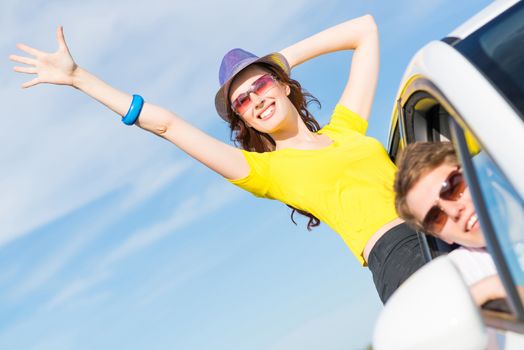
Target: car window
{"x":429,"y":119}
{"x":425,"y":119}
{"x":506,"y":212}
{"x":500,"y":210}
{"x":497,"y":50}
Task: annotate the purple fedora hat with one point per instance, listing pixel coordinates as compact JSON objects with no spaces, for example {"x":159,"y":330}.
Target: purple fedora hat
{"x":235,"y":61}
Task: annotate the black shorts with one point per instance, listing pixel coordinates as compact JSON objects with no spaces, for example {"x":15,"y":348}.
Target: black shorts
{"x":395,"y":256}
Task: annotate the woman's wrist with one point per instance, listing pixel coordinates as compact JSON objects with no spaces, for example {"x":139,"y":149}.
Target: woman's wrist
{"x":77,"y":77}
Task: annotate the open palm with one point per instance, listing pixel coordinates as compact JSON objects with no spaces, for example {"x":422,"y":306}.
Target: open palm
{"x":53,"y":68}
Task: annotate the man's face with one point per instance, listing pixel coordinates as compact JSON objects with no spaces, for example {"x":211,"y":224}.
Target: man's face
{"x":461,"y":224}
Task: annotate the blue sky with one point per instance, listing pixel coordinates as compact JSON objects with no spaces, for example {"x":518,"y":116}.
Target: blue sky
{"x":113,"y":238}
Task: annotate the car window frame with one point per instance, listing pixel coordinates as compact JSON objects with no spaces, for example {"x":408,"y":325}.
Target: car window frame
{"x":471,"y":48}
{"x":418,"y":84}
{"x":492,"y":242}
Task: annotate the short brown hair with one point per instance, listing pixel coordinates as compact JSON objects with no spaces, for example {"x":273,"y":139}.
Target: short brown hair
{"x":415,"y":161}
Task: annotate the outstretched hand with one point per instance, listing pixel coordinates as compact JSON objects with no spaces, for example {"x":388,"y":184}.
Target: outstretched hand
{"x":52,"y":68}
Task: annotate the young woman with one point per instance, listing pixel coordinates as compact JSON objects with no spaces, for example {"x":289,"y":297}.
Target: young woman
{"x":335,"y":174}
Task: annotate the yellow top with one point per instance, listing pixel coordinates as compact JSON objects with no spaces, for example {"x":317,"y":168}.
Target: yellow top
{"x":348,"y":184}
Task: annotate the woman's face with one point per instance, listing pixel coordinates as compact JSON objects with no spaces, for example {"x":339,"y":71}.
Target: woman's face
{"x":260,"y":100}
{"x":461,"y":226}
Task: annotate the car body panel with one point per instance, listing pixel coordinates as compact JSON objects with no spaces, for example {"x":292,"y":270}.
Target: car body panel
{"x":453,"y":74}
{"x":487,"y":14}
{"x":440,"y":71}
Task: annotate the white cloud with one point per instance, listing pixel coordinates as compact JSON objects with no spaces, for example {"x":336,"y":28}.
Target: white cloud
{"x":198,"y":206}
{"x":145,"y":185}
{"x":191,"y":209}
{"x":152,"y":180}
{"x":41,"y":274}
{"x":75,"y":288}
{"x":56,"y":179}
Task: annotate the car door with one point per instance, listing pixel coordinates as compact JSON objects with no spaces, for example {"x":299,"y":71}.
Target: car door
{"x":470,"y":91}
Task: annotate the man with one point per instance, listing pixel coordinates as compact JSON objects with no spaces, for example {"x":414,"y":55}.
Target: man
{"x":432,"y":196}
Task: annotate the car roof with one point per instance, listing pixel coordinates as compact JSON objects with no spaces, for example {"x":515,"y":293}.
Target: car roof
{"x":484,"y":16}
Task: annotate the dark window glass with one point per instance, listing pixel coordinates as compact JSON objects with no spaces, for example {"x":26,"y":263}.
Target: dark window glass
{"x":497,"y":50}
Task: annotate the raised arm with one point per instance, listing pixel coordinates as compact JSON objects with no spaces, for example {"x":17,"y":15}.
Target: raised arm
{"x":359,"y":34}
{"x":60,"y":68}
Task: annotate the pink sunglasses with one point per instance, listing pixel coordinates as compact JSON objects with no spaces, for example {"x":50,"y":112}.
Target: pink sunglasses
{"x":259,"y":87}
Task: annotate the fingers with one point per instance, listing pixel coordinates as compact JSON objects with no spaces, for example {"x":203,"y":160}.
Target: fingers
{"x":24,"y":60}
{"x":28,"y":61}
{"x":61,"y":39}
{"x":27,"y":70}
{"x":29,"y":50}
{"x":31,"y":83}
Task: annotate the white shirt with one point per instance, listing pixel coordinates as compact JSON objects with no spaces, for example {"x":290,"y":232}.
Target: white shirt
{"x":474,"y":264}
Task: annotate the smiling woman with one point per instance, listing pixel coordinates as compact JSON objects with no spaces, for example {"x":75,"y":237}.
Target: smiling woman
{"x":335,"y":174}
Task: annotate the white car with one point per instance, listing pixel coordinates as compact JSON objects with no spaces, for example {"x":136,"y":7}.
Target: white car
{"x":467,"y":88}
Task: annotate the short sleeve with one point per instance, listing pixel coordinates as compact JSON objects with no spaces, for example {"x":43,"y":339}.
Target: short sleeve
{"x":343,"y":119}
{"x":258,"y":180}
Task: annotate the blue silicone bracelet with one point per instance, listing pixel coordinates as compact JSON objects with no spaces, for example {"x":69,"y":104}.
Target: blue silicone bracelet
{"x":134,"y":110}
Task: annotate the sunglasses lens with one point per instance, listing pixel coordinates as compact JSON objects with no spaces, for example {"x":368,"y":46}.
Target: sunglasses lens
{"x":241,"y":103}
{"x":453,"y":187}
{"x":451,"y":190}
{"x":260,"y":87}
{"x":263,"y":84}
{"x":435,"y":220}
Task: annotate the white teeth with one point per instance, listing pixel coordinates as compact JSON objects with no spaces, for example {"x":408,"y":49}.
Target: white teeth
{"x":267,"y":112}
{"x":472,"y":220}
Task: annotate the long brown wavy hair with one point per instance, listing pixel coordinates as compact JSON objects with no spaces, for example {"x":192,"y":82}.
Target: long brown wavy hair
{"x":256,"y":141}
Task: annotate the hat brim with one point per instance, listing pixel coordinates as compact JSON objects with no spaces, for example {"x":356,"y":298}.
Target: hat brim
{"x":222,"y":98}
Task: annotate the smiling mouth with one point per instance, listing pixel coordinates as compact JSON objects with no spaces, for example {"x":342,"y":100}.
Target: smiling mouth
{"x":268,"y":112}
{"x":472,"y":221}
